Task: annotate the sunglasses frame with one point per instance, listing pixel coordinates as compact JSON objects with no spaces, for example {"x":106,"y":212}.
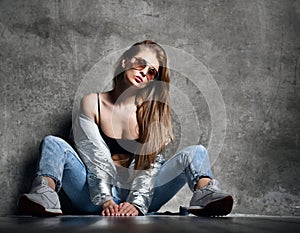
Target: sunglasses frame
{"x":145,"y":63}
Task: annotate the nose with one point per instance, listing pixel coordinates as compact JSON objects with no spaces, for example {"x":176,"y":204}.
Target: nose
{"x":144,"y":71}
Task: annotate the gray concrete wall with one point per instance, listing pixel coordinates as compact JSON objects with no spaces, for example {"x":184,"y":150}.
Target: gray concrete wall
{"x":250,"y":48}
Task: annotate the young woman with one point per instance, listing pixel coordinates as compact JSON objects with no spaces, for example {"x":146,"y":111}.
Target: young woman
{"x":117,"y":167}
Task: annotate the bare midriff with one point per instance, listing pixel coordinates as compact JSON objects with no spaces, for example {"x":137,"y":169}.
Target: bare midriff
{"x":122,"y":160}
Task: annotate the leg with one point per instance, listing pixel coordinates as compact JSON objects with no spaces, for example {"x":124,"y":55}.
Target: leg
{"x":190,"y":165}
{"x":60,"y":163}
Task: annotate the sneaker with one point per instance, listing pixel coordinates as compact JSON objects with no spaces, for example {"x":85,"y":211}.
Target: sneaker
{"x":40,"y":201}
{"x":210,"y":201}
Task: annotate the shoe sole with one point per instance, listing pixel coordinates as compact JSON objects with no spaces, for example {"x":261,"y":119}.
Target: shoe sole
{"x":216,"y":208}
{"x":28,"y":207}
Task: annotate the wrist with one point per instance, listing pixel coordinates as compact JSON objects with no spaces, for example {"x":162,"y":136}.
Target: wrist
{"x":108,"y":203}
{"x":100,"y":199}
{"x":138,"y":209}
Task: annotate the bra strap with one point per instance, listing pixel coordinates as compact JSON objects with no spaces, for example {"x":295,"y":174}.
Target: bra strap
{"x":98,"y":109}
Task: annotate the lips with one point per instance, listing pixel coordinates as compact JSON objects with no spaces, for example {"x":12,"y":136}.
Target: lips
{"x":138,"y":79}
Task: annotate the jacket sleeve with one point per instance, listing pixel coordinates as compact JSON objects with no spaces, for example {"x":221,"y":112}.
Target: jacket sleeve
{"x":142,"y":187}
{"x":97,"y":158}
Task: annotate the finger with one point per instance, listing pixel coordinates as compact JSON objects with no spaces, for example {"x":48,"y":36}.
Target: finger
{"x":104,"y":212}
{"x":136,"y":213}
{"x":107,"y":212}
{"x":123,"y":208}
{"x":116,"y":210}
{"x":112,"y":210}
{"x":123,"y":204}
{"x":128,"y":209}
{"x":132,"y":212}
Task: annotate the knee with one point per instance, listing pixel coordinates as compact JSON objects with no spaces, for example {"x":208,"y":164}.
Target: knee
{"x":201,"y":150}
{"x":50,"y":142}
{"x":197,"y":151}
{"x":49,"y":139}
{"x":198,"y":148}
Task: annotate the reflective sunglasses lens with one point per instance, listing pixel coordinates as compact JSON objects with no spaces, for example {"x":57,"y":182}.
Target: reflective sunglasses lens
{"x":152,"y":73}
{"x":140,"y":63}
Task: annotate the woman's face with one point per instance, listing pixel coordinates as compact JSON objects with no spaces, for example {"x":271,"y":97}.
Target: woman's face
{"x":142,"y":68}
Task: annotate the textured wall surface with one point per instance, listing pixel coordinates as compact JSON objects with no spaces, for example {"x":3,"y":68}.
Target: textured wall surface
{"x":250,"y":48}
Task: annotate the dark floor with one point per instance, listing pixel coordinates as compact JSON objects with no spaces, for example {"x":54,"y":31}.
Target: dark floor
{"x":144,"y":224}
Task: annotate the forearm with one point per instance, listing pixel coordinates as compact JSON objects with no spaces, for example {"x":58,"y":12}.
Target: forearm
{"x":97,"y":158}
{"x":143,"y":185}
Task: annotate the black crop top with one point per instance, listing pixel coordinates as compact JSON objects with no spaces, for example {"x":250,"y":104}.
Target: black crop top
{"x":117,"y":146}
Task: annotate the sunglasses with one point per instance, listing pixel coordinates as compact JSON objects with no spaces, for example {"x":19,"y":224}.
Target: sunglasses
{"x":140,"y":64}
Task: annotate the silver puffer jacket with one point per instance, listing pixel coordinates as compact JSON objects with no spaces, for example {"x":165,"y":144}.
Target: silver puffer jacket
{"x":102,"y":172}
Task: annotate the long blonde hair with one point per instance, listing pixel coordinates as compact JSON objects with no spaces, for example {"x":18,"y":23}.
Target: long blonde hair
{"x":153,"y":107}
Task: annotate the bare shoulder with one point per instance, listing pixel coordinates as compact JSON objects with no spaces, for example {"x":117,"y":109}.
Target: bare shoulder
{"x":88,"y":105}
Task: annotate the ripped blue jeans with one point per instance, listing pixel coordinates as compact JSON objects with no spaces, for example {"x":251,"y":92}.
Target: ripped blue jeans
{"x":60,"y":161}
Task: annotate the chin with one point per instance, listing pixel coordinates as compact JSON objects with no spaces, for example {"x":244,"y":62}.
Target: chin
{"x":140,"y":85}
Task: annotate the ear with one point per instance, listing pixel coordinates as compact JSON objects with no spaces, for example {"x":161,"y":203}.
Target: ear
{"x":123,"y":63}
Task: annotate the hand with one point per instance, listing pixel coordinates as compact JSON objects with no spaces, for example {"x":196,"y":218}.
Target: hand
{"x":127,"y":209}
{"x":110,"y":208}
